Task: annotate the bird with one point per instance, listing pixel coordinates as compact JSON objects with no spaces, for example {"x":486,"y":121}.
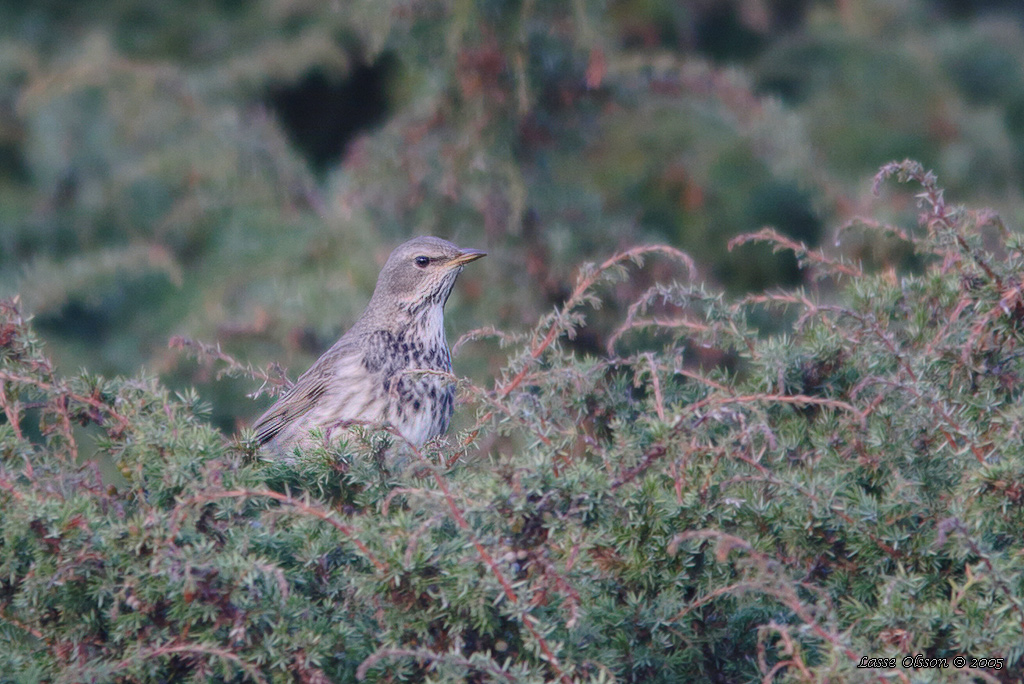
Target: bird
{"x":393,"y":366}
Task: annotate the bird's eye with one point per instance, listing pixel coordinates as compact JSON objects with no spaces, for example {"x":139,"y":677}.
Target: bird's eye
{"x":422,"y":261}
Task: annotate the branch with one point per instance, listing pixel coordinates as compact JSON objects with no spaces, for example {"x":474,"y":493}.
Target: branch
{"x":302,"y":507}
{"x":506,"y":586}
{"x":780,"y":242}
{"x":424,"y":654}
{"x":159,"y":651}
{"x":122,"y":422}
{"x":272,"y":375}
{"x":587,"y":278}
{"x":12,"y":411}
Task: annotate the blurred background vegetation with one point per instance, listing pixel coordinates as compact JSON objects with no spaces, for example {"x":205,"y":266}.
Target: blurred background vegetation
{"x":237,"y":171}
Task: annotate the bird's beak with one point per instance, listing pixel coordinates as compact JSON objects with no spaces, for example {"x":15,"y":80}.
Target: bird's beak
{"x":467,"y":255}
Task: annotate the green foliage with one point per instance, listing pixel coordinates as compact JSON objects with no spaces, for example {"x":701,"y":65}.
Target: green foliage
{"x":850,"y":489}
{"x":151,"y":185}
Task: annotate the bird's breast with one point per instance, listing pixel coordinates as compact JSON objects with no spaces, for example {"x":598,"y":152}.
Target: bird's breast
{"x":413,"y":366}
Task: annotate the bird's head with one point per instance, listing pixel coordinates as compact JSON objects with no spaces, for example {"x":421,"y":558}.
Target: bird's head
{"x":420,"y":273}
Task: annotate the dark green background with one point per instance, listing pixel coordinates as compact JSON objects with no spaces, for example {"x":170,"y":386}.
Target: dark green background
{"x":237,"y":171}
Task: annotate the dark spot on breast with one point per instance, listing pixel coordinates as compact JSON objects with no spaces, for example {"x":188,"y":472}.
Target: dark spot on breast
{"x":416,"y":405}
{"x":378,"y":346}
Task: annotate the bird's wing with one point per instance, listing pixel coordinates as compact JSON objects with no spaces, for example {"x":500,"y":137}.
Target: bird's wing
{"x":298,"y":401}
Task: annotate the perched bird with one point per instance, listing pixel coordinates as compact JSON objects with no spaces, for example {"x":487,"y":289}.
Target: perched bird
{"x":392,"y":367}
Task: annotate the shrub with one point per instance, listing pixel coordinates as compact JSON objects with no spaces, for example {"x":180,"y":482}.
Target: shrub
{"x":700,"y":504}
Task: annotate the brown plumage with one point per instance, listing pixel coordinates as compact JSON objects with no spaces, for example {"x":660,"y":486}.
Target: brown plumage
{"x":392,"y":366}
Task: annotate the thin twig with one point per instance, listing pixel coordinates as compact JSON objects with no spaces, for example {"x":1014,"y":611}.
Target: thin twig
{"x":424,"y":654}
{"x":327,"y":516}
{"x":123,"y":422}
{"x":158,"y":651}
{"x":11,"y":410}
{"x":780,"y":242}
{"x":583,"y":284}
{"x":506,"y":586}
